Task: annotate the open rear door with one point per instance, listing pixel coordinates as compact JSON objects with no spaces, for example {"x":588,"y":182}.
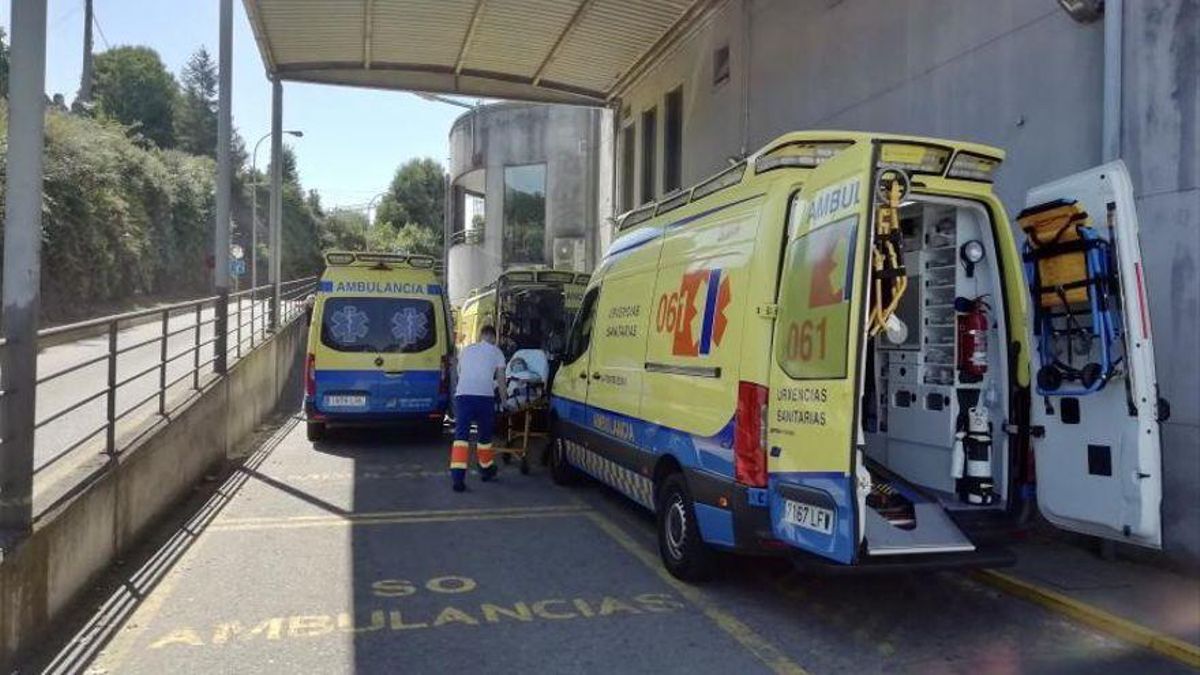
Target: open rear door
{"x":1095,"y":394}
{"x":814,"y":359}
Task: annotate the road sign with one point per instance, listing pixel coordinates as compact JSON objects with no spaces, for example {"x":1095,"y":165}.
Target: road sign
{"x":237,"y":267}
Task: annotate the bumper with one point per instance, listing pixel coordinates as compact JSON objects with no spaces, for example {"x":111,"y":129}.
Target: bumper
{"x":374,"y":417}
{"x":730,"y":516}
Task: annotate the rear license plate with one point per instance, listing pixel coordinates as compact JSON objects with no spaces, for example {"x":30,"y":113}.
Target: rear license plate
{"x":808,"y":516}
{"x":345,"y":400}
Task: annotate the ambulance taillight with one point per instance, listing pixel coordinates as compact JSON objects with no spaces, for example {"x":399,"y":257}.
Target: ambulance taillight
{"x":310,"y":376}
{"x":749,"y":435}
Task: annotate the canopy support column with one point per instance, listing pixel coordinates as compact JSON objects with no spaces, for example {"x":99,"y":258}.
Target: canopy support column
{"x":224,"y":188}
{"x":22,"y":261}
{"x":276,"y":216}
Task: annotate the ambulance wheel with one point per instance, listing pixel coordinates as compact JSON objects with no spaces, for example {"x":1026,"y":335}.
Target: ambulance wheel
{"x":683,"y":552}
{"x":561,"y":471}
{"x":316,"y":431}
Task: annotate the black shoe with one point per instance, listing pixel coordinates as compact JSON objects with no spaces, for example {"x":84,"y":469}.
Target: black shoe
{"x":460,"y":487}
{"x":489,"y":474}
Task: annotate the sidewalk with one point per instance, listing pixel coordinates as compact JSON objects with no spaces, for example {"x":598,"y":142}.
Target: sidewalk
{"x":1155,"y":608}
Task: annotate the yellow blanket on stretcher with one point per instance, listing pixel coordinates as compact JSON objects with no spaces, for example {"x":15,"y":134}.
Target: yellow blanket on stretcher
{"x":1058,"y":225}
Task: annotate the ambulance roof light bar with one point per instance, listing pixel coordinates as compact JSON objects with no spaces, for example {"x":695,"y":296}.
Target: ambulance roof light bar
{"x":365,"y":259}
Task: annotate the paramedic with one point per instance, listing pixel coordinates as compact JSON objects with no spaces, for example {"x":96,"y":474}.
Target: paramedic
{"x":480,"y":374}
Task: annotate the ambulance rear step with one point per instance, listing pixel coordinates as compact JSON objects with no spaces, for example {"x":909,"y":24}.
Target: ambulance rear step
{"x":981,"y":558}
{"x":900,"y":520}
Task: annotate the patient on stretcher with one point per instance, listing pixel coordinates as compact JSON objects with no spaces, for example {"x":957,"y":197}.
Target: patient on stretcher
{"x":526,"y":374}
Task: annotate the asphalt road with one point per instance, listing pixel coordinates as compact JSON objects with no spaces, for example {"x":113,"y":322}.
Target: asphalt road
{"x":54,"y":459}
{"x":355,"y":556}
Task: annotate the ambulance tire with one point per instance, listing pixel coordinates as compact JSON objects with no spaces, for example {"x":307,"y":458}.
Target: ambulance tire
{"x":561,"y":471}
{"x":316,"y":431}
{"x":683,"y":552}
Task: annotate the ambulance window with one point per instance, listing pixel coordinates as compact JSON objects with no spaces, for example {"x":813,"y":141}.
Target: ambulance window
{"x":378,"y":325}
{"x":581,"y":330}
{"x":814,"y":303}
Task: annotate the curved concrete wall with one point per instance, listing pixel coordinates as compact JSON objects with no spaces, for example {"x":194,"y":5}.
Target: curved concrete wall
{"x":485,"y":141}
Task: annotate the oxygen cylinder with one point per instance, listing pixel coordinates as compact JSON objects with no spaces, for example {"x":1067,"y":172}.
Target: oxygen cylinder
{"x":971,"y":463}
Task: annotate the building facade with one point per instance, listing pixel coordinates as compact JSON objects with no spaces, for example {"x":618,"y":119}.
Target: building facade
{"x":524,"y":190}
{"x":1022,"y":75}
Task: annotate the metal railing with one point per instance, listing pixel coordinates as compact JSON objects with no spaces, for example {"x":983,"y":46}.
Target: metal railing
{"x":144,"y":364}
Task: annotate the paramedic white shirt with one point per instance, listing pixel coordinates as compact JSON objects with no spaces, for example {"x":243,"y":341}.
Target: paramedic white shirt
{"x":477,"y":366}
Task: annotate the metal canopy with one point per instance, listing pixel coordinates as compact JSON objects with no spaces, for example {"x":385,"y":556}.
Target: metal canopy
{"x":557,"y":51}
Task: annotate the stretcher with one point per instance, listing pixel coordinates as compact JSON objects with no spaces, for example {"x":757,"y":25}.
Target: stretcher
{"x":527,"y":414}
{"x":1076,"y":299}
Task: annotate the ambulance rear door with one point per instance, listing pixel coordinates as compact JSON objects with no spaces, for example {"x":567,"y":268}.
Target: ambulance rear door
{"x":814,"y":359}
{"x":1098,"y":459}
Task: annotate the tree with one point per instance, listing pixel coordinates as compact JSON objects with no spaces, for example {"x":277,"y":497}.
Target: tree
{"x":411,"y":238}
{"x":196,"y":116}
{"x":134,"y":87}
{"x":344,"y":230}
{"x":415,"y":196}
{"x":3,"y":66}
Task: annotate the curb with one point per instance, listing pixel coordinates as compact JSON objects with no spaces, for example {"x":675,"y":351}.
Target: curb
{"x":1094,"y":617}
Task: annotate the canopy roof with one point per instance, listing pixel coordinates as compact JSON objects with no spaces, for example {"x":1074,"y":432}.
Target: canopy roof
{"x":561,"y":51}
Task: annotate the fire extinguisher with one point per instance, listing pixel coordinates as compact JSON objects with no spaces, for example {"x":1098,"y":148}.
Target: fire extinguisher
{"x":972,"y":322}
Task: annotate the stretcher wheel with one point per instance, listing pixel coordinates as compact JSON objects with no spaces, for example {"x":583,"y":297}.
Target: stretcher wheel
{"x":525,"y":465}
{"x":506,"y":458}
{"x":1090,"y":375}
{"x":1049,"y":378}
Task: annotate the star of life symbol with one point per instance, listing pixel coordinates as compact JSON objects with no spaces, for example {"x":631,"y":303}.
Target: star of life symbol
{"x":350,"y":325}
{"x":409,"y":325}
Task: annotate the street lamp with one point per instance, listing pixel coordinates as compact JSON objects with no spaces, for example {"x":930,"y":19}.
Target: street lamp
{"x":254,"y":222}
{"x":254,"y":208}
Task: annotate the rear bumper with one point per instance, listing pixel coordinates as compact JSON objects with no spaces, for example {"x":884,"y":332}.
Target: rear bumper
{"x":987,"y":557}
{"x":314,"y":415}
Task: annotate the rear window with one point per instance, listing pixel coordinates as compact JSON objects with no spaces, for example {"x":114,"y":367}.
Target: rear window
{"x":378,"y":325}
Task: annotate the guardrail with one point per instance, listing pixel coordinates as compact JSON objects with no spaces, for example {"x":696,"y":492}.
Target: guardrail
{"x":186,"y":340}
{"x":468,"y":236}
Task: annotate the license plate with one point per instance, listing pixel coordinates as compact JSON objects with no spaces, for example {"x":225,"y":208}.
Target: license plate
{"x":808,"y":516}
{"x":345,"y":401}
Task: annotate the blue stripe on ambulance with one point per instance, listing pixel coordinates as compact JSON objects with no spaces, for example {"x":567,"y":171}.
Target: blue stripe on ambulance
{"x":412,"y":392}
{"x":711,"y":454}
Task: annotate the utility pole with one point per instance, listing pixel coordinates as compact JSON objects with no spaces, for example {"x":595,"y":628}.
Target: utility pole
{"x":224,"y":180}
{"x":85,"y":79}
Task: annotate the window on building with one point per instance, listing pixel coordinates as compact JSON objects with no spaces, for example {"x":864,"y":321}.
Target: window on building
{"x":474,"y":217}
{"x":673,"y":141}
{"x":628,"y":168}
{"x":649,"y":146}
{"x":525,"y":214}
{"x":721,"y":65}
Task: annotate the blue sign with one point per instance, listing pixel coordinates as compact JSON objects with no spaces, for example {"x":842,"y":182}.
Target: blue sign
{"x":237,"y":267}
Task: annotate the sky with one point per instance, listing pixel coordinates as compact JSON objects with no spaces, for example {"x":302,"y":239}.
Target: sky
{"x":353,"y":138}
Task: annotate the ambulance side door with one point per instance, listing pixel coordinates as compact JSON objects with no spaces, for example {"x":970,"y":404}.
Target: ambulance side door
{"x":815,"y":359}
{"x":1099,"y":468}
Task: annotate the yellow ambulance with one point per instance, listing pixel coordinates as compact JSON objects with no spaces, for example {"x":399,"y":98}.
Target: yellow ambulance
{"x":826,"y":351}
{"x":378,"y":344}
{"x":525,"y":306}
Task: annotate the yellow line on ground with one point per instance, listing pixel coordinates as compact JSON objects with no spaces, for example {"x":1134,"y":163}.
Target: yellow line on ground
{"x":394,"y":517}
{"x":1094,"y":617}
{"x":754,"y":643}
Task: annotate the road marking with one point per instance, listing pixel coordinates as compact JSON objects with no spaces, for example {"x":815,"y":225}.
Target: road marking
{"x":763,"y":650}
{"x":395,"y":517}
{"x":1094,"y":617}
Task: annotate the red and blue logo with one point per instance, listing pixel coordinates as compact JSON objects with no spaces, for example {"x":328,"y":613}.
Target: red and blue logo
{"x":677,"y":311}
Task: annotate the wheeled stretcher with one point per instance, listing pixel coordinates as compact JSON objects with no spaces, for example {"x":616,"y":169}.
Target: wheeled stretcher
{"x":1076,"y":299}
{"x":526,"y":415}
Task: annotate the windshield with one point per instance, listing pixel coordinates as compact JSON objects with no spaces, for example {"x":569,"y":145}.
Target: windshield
{"x":378,"y":325}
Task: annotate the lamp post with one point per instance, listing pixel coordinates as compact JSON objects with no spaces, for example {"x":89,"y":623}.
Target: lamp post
{"x":254,"y":221}
{"x":371,"y":206}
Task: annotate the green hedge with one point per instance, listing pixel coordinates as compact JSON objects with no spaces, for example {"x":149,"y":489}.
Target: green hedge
{"x":119,"y":221}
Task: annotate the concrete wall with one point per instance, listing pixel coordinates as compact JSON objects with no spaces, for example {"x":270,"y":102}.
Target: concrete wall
{"x":1021,"y":75}
{"x":492,"y":137}
{"x":70,"y":546}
